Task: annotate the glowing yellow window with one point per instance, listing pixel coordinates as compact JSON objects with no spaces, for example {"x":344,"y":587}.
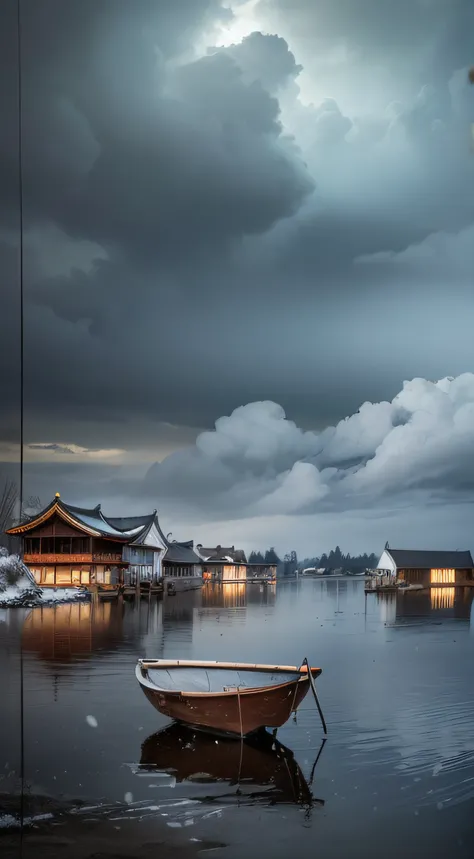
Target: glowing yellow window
{"x":443,"y":577}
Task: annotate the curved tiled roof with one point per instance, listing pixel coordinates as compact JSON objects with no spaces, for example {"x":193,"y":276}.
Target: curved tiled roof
{"x":131,"y":522}
{"x":95,"y":519}
{"x":91,"y":519}
{"x":131,"y":529}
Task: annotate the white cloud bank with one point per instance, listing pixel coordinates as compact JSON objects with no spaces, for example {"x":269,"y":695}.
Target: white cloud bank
{"x":257,"y":463}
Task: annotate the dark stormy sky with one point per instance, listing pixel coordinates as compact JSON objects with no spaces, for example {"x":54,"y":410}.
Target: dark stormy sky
{"x":246,"y":224}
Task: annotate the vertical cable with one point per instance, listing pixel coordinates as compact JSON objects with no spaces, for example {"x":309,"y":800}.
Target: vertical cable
{"x":20,"y":272}
{"x":20,"y":261}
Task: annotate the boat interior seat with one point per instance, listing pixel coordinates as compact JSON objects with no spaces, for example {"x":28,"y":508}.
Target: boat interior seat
{"x":214,"y":680}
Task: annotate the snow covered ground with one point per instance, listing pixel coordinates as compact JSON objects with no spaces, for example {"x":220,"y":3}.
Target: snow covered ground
{"x":18,"y":586}
{"x":14,"y":595}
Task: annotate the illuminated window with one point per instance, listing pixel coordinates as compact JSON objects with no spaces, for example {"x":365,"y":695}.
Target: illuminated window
{"x":443,"y":577}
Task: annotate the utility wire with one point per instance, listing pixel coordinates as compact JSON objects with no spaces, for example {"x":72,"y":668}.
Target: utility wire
{"x":21,"y":253}
{"x":20,"y":273}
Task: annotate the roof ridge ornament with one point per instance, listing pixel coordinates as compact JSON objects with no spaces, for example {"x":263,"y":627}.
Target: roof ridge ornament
{"x":57,"y":495}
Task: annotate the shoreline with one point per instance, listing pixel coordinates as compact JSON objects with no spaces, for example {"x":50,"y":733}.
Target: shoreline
{"x":54,"y":826}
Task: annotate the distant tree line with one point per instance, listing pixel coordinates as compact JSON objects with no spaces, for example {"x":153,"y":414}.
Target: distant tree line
{"x":335,"y":560}
{"x":285,"y":567}
{"x":268,"y":557}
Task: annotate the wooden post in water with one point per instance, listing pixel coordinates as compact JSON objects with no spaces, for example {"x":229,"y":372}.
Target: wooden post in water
{"x":94,"y":590}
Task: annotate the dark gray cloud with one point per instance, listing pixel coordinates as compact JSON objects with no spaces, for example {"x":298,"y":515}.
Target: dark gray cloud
{"x":429,"y":33}
{"x":150,"y":160}
{"x":200,"y":236}
{"x":10,"y":377}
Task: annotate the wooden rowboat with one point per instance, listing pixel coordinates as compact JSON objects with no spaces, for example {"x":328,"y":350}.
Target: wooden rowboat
{"x":231,"y":698}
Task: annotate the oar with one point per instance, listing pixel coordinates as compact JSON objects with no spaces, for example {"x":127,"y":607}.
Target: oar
{"x":315,"y":694}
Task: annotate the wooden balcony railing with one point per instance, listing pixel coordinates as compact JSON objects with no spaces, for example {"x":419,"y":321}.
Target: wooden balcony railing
{"x":57,"y":559}
{"x":106,"y":558}
{"x":84,"y":558}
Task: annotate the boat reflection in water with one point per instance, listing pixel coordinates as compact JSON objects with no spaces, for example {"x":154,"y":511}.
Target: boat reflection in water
{"x":259,"y":769}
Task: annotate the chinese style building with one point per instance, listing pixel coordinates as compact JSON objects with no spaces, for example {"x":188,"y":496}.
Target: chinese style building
{"x":65,"y":545}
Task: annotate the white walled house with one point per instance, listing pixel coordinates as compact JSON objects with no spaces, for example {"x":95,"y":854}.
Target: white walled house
{"x":386,"y":564}
{"x":154,"y":556}
{"x":430,"y":568}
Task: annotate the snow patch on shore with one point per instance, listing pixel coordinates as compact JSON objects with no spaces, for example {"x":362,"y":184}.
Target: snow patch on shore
{"x":19,"y":588}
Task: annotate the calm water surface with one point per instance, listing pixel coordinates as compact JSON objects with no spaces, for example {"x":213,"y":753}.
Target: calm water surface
{"x":395,"y":777}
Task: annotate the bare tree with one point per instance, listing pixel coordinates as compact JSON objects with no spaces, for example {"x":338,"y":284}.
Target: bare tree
{"x":32,"y":507}
{"x":8,"y":500}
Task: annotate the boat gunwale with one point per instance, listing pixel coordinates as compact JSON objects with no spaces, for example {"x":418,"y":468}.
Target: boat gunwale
{"x":238,"y":690}
{"x":241,"y":666}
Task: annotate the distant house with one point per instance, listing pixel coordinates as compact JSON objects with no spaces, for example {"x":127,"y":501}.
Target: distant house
{"x":180,"y":561}
{"x":428,"y":568}
{"x":263,"y":570}
{"x":223,"y":564}
{"x":67,"y":545}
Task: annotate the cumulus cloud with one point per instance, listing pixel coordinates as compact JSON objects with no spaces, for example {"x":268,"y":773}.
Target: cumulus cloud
{"x":265,"y":58}
{"x":258,"y":463}
{"x":297,"y":491}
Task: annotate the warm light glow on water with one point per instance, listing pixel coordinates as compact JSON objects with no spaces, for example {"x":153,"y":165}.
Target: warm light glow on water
{"x":442,"y":597}
{"x":396,"y":691}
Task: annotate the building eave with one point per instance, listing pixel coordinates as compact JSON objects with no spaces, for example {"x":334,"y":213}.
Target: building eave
{"x":55,"y":508}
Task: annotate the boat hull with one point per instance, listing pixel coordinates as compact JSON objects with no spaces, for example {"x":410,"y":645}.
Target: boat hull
{"x":238,"y":713}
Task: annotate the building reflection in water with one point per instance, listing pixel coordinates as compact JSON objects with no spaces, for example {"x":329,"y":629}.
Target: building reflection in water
{"x":388,"y":607}
{"x":442,"y":597}
{"x":238,"y":595}
{"x":178,"y":625}
{"x":441,"y":602}
{"x":74,"y":629}
{"x":163,"y":627}
{"x":227,"y":595}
